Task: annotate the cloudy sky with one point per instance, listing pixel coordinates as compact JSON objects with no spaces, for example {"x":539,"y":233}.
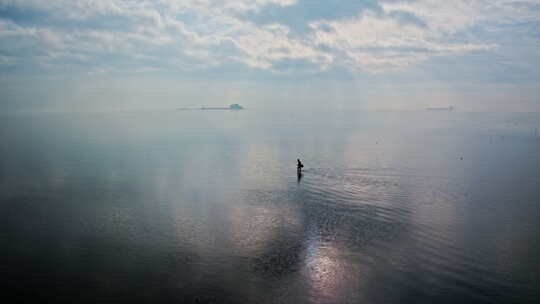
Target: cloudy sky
{"x":347,"y":54}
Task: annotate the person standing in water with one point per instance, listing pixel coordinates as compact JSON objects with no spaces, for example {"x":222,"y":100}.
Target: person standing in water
{"x":299,"y":165}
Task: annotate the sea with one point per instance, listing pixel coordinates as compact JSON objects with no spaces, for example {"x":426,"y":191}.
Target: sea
{"x":168,"y":206}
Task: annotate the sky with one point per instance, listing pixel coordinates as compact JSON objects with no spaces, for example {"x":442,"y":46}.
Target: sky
{"x":78,"y":55}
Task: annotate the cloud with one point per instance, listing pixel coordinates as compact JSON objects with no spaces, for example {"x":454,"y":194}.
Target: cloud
{"x":279,"y":36}
{"x":380,"y":44}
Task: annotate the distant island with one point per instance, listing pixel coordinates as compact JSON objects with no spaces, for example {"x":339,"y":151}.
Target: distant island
{"x":234,"y":107}
{"x":450,"y":108}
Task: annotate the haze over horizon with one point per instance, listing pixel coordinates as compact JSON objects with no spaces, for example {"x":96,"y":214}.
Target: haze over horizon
{"x":63,"y":55}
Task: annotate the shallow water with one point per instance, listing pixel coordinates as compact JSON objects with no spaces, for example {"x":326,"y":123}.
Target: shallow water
{"x":207,"y":207}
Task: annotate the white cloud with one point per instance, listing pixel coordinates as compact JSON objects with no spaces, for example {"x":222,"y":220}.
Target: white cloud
{"x":377,"y":43}
{"x":190,"y":34}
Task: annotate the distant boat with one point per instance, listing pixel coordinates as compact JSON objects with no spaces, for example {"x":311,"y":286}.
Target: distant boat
{"x":450,"y":108}
{"x":234,"y":107}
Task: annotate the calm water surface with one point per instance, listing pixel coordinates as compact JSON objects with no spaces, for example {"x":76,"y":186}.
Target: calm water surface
{"x":206,"y":207}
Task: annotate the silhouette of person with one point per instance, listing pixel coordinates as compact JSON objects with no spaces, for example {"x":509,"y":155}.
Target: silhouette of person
{"x":299,"y":165}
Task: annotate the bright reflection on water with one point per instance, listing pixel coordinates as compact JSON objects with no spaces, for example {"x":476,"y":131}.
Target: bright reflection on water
{"x":206,"y":207}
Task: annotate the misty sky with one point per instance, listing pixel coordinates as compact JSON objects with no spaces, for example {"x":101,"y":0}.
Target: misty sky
{"x":345,"y":54}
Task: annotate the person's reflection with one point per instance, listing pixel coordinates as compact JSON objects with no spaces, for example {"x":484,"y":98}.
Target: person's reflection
{"x":299,"y":175}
